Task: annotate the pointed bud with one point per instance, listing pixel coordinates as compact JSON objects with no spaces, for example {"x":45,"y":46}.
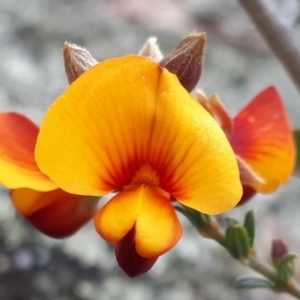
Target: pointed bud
{"x":279,"y":249}
{"x":151,"y":50}
{"x":186,"y":60}
{"x":283,"y":261}
{"x":77,"y":61}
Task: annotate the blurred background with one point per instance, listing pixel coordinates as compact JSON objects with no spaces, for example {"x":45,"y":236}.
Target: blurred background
{"x":238,"y":64}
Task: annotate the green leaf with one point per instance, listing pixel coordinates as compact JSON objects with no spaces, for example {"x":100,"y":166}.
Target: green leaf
{"x":249,"y":224}
{"x":286,"y":266}
{"x":297,"y":142}
{"x":248,"y":282}
{"x":290,"y":257}
{"x":198,"y":220}
{"x":237,"y":241}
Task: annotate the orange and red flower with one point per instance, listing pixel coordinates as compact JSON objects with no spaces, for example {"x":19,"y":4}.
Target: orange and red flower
{"x":262,"y":139}
{"x":128,"y":125}
{"x":34,"y":195}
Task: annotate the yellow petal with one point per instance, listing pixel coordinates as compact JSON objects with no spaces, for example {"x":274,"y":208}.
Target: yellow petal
{"x":262,"y":136}
{"x":17,"y":163}
{"x":149,"y":210}
{"x":128,"y":112}
{"x":157,"y":229}
{"x":55,"y":213}
{"x":116,"y":218}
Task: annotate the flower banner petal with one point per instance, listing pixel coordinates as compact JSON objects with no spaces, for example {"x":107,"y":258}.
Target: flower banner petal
{"x":125,"y":113}
{"x":262,"y":137}
{"x":157,"y":227}
{"x":56,"y":213}
{"x":17,"y":163}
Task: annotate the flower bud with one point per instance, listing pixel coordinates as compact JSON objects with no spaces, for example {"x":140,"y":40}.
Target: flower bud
{"x":77,"y":61}
{"x":279,"y":249}
{"x":151,"y":50}
{"x":186,"y":60}
{"x":283,"y":261}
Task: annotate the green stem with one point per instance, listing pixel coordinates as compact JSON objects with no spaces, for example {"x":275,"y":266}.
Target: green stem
{"x":290,"y":287}
{"x":252,"y":262}
{"x":209,"y":228}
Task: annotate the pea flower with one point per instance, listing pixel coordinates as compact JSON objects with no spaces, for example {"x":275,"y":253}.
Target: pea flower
{"x":127,"y":125}
{"x":34,"y":195}
{"x":262,"y":139}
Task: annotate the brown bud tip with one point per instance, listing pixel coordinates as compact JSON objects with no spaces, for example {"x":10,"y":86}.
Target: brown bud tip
{"x":279,"y":249}
{"x":77,"y":61}
{"x":186,"y":60}
{"x":151,"y":50}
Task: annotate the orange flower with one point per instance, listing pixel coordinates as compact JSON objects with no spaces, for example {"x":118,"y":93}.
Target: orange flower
{"x":34,"y":195}
{"x":127,"y":125}
{"x":262,"y":139}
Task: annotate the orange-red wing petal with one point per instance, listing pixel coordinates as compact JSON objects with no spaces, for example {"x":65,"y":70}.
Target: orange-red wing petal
{"x":262,"y":137}
{"x":55,"y":213}
{"x":128,"y":112}
{"x":17,"y":163}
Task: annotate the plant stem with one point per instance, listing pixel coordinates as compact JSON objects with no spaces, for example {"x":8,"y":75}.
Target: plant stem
{"x":209,"y":228}
{"x":252,"y":262}
{"x":289,"y":287}
{"x":277,"y":35}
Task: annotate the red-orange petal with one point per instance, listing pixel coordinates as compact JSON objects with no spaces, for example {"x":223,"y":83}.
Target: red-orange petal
{"x":56,"y":213}
{"x":262,"y":136}
{"x":18,"y":168}
{"x":129,"y":260}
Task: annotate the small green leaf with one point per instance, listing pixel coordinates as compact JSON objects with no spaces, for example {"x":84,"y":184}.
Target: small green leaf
{"x":237,"y":241}
{"x":248,"y":282}
{"x":297,"y":142}
{"x":199,"y":220}
{"x":249,"y":224}
{"x":286,"y":266}
{"x":290,"y":257}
